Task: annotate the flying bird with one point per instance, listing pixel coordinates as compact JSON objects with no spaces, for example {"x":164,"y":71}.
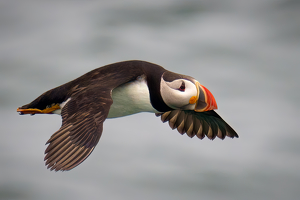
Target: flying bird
{"x":122,"y":89}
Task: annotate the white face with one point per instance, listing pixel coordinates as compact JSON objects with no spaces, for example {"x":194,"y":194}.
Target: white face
{"x":177,"y":94}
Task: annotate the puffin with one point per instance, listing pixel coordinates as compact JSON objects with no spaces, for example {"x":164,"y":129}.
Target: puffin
{"x":117,"y":90}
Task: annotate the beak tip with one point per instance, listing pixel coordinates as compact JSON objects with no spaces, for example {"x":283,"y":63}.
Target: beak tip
{"x":209,"y":100}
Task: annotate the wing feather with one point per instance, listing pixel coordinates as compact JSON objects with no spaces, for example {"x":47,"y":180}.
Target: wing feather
{"x":201,"y":124}
{"x":189,"y":126}
{"x":82,"y":124}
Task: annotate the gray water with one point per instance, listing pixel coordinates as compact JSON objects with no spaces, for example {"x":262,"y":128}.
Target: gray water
{"x":246,"y":52}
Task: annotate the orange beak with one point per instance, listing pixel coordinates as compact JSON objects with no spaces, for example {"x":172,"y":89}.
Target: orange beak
{"x":205,"y":100}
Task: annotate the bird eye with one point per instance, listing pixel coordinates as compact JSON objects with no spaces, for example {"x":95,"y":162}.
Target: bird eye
{"x":182,"y":87}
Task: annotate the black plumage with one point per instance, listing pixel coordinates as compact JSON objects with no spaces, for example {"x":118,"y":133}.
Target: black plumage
{"x":202,"y":124}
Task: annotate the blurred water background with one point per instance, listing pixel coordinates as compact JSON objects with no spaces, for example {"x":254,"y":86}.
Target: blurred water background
{"x":246,"y":52}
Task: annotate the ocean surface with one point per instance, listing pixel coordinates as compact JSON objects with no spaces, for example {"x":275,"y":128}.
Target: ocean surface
{"x":247,"y":53}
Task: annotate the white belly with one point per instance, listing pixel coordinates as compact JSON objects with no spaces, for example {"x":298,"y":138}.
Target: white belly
{"x":131,"y":98}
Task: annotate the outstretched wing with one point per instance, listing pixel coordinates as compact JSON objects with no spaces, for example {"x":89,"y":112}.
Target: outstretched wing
{"x":193,"y":123}
{"x":82,"y":124}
